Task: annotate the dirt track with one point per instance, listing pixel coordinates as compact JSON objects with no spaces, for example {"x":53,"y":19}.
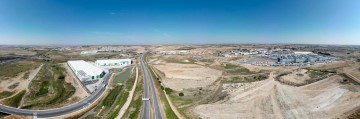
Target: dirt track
{"x":270,"y":99}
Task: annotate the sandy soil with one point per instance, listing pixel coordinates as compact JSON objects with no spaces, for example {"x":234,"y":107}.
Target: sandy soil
{"x":298,"y":76}
{"x":23,"y":83}
{"x":269,"y":99}
{"x":180,"y":76}
{"x":71,"y":78}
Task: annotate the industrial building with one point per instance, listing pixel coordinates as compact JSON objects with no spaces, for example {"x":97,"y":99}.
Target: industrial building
{"x":86,"y":71}
{"x":113,"y":63}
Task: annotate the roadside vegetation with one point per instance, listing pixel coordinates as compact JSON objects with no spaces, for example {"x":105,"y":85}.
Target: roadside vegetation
{"x":133,"y":112}
{"x":15,"y":100}
{"x":49,"y":88}
{"x":110,"y":106}
{"x":5,"y":94}
{"x":168,"y":111}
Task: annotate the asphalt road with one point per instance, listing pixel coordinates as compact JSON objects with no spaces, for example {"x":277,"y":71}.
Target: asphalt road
{"x":63,"y":110}
{"x":155,"y":108}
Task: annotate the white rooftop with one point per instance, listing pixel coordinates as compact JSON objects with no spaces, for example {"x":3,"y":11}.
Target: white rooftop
{"x":113,"y":60}
{"x":89,"y":69}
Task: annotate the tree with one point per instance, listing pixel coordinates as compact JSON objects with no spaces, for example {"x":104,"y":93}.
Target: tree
{"x":181,"y":94}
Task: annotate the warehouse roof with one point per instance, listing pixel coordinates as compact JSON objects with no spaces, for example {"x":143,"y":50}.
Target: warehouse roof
{"x":114,"y":60}
{"x":85,"y":67}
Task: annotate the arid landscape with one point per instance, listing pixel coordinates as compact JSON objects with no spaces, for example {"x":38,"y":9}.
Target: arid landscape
{"x":235,"y":90}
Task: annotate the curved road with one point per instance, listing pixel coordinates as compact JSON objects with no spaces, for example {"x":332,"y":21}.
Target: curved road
{"x":63,"y":110}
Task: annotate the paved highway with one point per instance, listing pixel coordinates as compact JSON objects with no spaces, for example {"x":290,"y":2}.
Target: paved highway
{"x":63,"y":110}
{"x":154,"y":100}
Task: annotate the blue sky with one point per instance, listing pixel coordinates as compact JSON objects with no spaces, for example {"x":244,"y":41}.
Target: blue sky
{"x":179,"y":21}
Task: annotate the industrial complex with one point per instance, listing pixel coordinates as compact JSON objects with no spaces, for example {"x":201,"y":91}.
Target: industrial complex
{"x":89,"y":73}
{"x":86,"y":71}
{"x":282,"y":57}
{"x":113,"y":63}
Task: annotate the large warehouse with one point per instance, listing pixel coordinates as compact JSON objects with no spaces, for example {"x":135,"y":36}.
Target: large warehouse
{"x":113,"y":63}
{"x":86,"y":71}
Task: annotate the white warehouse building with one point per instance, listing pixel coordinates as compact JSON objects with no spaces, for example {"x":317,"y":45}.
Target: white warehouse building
{"x":86,"y":71}
{"x":113,"y":63}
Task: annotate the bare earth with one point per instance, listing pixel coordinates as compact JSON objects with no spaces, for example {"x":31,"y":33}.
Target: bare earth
{"x":269,"y":99}
{"x":297,"y":76}
{"x":179,"y":76}
{"x":71,"y":78}
{"x":23,"y":83}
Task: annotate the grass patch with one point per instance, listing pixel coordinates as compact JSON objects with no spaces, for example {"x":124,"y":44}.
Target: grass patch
{"x":14,"y":69}
{"x":137,"y":104}
{"x":231,"y":66}
{"x":168,"y":90}
{"x":231,"y":69}
{"x":245,"y":79}
{"x":15,"y":100}
{"x":5,"y":94}
{"x":120,"y":102}
{"x":13,"y":86}
{"x":110,"y":99}
{"x":26,"y":75}
{"x":44,"y":88}
{"x":49,"y":88}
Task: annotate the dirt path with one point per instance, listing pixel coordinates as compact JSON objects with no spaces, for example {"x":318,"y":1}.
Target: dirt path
{"x":129,"y":99}
{"x":31,"y":77}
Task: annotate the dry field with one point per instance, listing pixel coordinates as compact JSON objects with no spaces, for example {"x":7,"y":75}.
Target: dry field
{"x":270,"y":99}
{"x":179,"y":76}
{"x":7,"y":51}
{"x":183,"y":76}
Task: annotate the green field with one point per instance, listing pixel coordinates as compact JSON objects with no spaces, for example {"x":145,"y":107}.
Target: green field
{"x":15,"y":100}
{"x":110,"y":106}
{"x":49,"y":88}
{"x":5,"y":94}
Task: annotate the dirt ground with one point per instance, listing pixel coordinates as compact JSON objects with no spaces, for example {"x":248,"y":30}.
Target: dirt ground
{"x":296,"y":76}
{"x":7,"y":51}
{"x":71,"y":78}
{"x":269,"y":99}
{"x":179,"y":76}
{"x":23,"y":83}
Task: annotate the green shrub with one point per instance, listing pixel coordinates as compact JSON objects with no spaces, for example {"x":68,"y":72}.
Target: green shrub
{"x":181,"y":94}
{"x":15,"y":100}
{"x":168,"y":90}
{"x":5,"y":94}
